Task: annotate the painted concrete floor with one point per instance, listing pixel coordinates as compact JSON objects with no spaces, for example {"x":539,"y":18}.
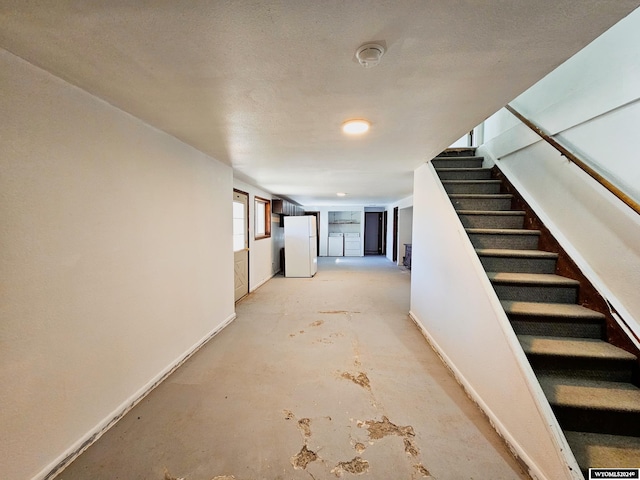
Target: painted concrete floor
{"x":316,"y":379}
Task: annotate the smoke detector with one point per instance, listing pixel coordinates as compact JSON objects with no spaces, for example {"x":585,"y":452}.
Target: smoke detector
{"x":369,"y":54}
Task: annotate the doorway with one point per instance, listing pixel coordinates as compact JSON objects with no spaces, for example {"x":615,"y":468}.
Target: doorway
{"x":395,"y":234}
{"x":384,"y":232}
{"x":373,"y":233}
{"x":240,"y":243}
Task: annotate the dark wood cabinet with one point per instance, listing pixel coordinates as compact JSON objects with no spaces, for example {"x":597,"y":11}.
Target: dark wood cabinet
{"x":283,"y":207}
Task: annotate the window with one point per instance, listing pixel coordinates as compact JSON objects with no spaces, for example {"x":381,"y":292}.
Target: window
{"x":239,"y":226}
{"x":262,"y":215}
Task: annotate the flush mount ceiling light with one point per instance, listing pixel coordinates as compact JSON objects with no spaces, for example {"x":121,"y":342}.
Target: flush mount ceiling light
{"x":355,"y":126}
{"x":341,"y":194}
{"x":369,"y":54}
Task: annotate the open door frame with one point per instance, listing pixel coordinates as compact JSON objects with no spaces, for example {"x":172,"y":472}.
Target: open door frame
{"x":395,"y":234}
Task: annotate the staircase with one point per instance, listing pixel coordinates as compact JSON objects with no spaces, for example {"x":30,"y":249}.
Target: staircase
{"x":591,"y":385}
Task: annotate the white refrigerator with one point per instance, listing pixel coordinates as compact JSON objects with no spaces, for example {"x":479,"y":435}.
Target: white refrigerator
{"x":300,"y":246}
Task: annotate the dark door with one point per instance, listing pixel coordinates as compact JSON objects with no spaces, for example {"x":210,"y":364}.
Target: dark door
{"x":373,"y":233}
{"x":384,"y":233}
{"x":395,"y":234}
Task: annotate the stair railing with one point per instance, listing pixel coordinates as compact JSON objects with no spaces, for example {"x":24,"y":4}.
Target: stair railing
{"x":630,"y":202}
{"x":626,"y":199}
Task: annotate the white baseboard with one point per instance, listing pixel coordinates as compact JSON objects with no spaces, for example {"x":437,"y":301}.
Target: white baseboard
{"x":520,"y":454}
{"x":58,"y":465}
{"x":264,"y":281}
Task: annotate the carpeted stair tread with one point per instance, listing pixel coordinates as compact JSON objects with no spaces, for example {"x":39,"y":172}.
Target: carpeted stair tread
{"x":540,"y":309}
{"x":492,"y":212}
{"x":572,"y":347}
{"x":457,"y":161}
{"x":457,"y":152}
{"x":472,"y":182}
{"x":458,"y":157}
{"x":547,"y":279}
{"x":505,"y":252}
{"x":463,"y":170}
{"x":597,"y":450}
{"x":590,"y":394}
{"x":502,"y":231}
{"x":502,"y":196}
{"x":455,"y":172}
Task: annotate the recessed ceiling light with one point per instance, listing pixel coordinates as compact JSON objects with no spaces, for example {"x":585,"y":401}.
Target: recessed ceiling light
{"x":356,"y":126}
{"x":341,"y":194}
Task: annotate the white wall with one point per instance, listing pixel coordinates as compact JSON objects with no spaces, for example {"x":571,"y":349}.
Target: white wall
{"x":116,"y":261}
{"x":405,"y":231}
{"x":592,"y":103}
{"x":401,"y":204}
{"x":324,"y":223}
{"x":264,"y":253}
{"x":455,"y":305}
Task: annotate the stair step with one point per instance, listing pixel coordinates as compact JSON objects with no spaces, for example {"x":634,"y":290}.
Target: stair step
{"x":504,"y":238}
{"x":473,"y":201}
{"x":538,"y":309}
{"x":525,"y":261}
{"x":458,"y":152}
{"x":554,"y":319}
{"x":459,"y":162}
{"x":534,"y":287}
{"x":456,"y":173}
{"x":596,"y":450}
{"x":579,"y":357}
{"x":472,"y":186}
{"x":593,"y":405}
{"x":491,"y":218}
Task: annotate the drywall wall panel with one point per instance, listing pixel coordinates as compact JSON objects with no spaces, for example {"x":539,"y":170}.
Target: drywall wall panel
{"x":116,"y":262}
{"x":455,"y":305}
{"x":600,"y":78}
{"x":592,"y":104}
{"x":405,"y":231}
{"x":615,"y":158}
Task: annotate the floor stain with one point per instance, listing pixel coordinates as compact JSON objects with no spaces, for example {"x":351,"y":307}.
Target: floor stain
{"x":303,"y":458}
{"x":356,"y":353}
{"x":410,"y":448}
{"x":288,"y":414}
{"x":317,"y":323}
{"x":336,"y":312}
{"x":168,"y":476}
{"x":357,"y":466}
{"x":224,"y":477}
{"x":361,"y":379}
{"x":423,"y":471}
{"x":381,"y":429}
{"x":360,"y":447}
{"x":304,"y":424}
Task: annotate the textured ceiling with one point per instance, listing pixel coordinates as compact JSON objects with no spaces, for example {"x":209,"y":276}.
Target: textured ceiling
{"x":265,"y":85}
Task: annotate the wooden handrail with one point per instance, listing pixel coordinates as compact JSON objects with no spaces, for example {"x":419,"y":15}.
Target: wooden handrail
{"x":630,"y":202}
